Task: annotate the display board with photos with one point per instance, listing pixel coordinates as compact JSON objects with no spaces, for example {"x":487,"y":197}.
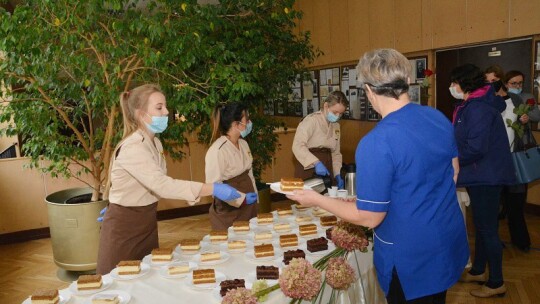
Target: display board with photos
{"x":308,"y":96}
{"x":418,"y":66}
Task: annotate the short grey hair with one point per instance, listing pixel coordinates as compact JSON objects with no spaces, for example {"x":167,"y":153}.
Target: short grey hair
{"x":385,"y":71}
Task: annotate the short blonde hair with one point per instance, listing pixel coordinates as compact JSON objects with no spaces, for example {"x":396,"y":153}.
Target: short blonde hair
{"x":386,"y":71}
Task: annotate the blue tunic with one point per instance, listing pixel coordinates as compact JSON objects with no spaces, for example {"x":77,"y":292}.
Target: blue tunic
{"x":404,"y":168}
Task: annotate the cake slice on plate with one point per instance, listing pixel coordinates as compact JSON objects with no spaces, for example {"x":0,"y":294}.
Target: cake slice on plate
{"x":89,"y":282}
{"x":43,"y":296}
{"x":129,"y":267}
{"x":204,"y":276}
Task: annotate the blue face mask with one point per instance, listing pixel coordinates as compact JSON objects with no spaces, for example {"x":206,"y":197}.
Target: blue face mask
{"x":247,"y":130}
{"x":332,"y":117}
{"x":158,"y":125}
{"x":515,"y":91}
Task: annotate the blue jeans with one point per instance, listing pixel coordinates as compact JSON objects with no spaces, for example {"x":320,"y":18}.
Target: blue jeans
{"x":488,"y":246}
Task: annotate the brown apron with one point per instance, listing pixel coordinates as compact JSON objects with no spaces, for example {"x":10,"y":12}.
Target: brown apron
{"x":324,"y":155}
{"x":222,"y":215}
{"x":127,"y":233}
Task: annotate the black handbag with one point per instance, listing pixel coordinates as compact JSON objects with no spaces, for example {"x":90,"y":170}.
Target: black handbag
{"x":526,"y":159}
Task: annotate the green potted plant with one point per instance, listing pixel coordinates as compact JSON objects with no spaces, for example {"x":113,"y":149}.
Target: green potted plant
{"x":66,"y":63}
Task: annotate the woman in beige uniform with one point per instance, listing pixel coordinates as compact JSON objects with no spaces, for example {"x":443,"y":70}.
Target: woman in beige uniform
{"x":228,"y":161}
{"x":138,"y":180}
{"x":316,"y":144}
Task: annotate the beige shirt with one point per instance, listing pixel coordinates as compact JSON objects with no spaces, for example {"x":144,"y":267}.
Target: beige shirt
{"x":224,"y":161}
{"x":139,"y":175}
{"x":314,"y":131}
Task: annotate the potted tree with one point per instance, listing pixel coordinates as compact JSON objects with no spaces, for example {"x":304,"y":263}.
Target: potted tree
{"x":66,"y":63}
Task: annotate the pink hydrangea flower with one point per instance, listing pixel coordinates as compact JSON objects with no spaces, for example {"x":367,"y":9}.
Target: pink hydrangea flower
{"x":339,"y":274}
{"x":300,"y":280}
{"x":239,"y":296}
{"x":349,"y":236}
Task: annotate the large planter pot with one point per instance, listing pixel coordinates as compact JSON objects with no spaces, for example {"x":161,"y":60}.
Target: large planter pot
{"x":74,"y":228}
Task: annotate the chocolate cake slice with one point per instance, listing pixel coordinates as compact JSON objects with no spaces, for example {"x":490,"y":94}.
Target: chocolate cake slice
{"x":318,"y":244}
{"x":329,"y":233}
{"x":291,"y":254}
{"x":229,"y":285}
{"x":267,"y":273}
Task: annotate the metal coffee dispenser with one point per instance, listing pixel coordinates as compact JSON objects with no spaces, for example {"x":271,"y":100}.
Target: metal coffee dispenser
{"x":348,"y":172}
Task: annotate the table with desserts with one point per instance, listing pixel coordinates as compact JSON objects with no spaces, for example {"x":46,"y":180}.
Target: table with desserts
{"x":154,"y":284}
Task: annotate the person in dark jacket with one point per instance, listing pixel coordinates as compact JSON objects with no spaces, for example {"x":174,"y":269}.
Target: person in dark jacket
{"x":485,"y":166}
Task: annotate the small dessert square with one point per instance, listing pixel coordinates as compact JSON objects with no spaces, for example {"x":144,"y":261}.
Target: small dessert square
{"x":162,"y":255}
{"x":281,"y":227}
{"x":291,"y":183}
{"x":301,"y":207}
{"x":267,"y":273}
{"x":328,"y":220}
{"x":229,"y":285}
{"x":178,"y":269}
{"x":284,"y":211}
{"x":320,"y":212}
{"x":45,"y":296}
{"x":318,"y":244}
{"x":204,"y":276}
{"x":303,"y":219}
{"x":291,"y":254}
{"x":236,"y":245}
{"x":241,"y":226}
{"x":105,"y":299}
{"x":288,"y":240}
{"x":263,"y":236}
{"x":89,"y":282}
{"x":308,"y":229}
{"x":129,"y":267}
{"x":210,"y":256}
{"x":217,"y":236}
{"x":264,"y":250}
{"x":265,"y":218}
{"x":190,"y":245}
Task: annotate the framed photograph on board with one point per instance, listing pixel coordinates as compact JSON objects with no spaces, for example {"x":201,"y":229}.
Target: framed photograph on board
{"x":421,"y":65}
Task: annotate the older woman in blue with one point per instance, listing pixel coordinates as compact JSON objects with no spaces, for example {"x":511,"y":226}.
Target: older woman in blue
{"x":406,"y":170}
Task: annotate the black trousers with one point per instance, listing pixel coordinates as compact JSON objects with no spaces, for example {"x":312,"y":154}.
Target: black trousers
{"x":396,"y":295}
{"x":514,"y":202}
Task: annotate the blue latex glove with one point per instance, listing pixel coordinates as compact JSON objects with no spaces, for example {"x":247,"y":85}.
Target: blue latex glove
{"x":225,"y":192}
{"x":340,"y":182}
{"x":321,"y":170}
{"x":251,"y":197}
{"x":102,"y":213}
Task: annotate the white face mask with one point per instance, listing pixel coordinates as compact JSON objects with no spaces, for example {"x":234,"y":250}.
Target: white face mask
{"x":455,"y":93}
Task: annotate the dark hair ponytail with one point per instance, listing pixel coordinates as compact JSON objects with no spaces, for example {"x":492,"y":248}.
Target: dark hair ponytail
{"x":224,"y":115}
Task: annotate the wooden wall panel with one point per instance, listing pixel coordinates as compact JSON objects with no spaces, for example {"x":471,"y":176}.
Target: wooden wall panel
{"x":427,"y":24}
{"x":524,"y":17}
{"x":321,"y":30}
{"x":358,"y":17}
{"x":490,"y":24}
{"x":449,"y":23}
{"x":306,"y":23}
{"x":339,"y":31}
{"x":381,"y":24}
{"x":408,"y":31}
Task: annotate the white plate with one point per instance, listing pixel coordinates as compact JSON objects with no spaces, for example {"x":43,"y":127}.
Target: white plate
{"x":148,"y":260}
{"x":106,"y":283}
{"x":164,"y":270}
{"x":145,"y":268}
{"x":219,"y":277}
{"x":123,"y":296}
{"x":225,"y":246}
{"x":331,"y":247}
{"x":204,"y":246}
{"x":250,"y":254}
{"x":276,"y":187}
{"x":63,"y":296}
{"x":224,"y":258}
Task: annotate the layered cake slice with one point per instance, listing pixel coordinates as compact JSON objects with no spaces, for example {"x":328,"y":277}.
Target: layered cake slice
{"x":265,"y":218}
{"x":303,"y":219}
{"x":284,"y":211}
{"x":263,"y":236}
{"x":318,"y":244}
{"x":267,"y":273}
{"x":217,"y":236}
{"x":288,"y":240}
{"x":291,"y":183}
{"x":45,"y":297}
{"x":210,"y":256}
{"x":301,"y":207}
{"x":308,"y":229}
{"x":328,"y":220}
{"x":190,"y":245}
{"x":329,"y":233}
{"x":129,"y":267}
{"x":320,"y":212}
{"x":105,"y":299}
{"x":89,"y":282}
{"x":291,"y":254}
{"x":178,"y":269}
{"x":204,"y":276}
{"x":241,"y":226}
{"x":264,"y":250}
{"x":282,"y":227}
{"x":162,"y":255}
{"x":229,"y":285}
{"x":236,"y":245}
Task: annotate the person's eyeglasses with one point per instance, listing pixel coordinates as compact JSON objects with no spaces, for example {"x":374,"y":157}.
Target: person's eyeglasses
{"x":515,"y":83}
